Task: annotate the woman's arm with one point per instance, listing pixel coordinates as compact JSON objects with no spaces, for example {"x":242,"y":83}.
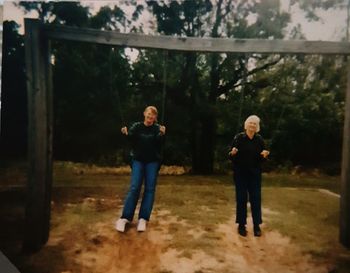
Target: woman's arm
{"x":162,"y":130}
{"x":160,"y":133}
{"x":130,"y":132}
{"x":124,"y":130}
{"x":264,"y":152}
{"x":233,"y":149}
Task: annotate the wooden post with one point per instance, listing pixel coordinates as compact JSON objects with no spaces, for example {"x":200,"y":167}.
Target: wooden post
{"x":38,"y":203}
{"x":37,"y":49}
{"x":345,"y":175}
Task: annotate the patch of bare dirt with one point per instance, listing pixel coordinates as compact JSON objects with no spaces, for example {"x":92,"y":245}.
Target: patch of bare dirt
{"x":99,"y":248}
{"x":270,"y":253}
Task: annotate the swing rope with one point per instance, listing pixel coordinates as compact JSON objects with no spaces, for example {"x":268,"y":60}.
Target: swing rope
{"x":164,"y":91}
{"x":111,"y":86}
{"x":243,"y":86}
{"x":118,"y":100}
{"x":279,"y":120}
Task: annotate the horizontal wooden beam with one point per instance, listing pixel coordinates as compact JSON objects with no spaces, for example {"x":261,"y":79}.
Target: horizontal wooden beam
{"x":195,"y":44}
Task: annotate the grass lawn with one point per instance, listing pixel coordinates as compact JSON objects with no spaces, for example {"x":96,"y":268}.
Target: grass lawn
{"x":192,"y":228}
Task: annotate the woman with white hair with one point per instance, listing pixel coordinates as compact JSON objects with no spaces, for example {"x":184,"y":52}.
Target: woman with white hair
{"x":247,"y":151}
{"x":145,"y":138}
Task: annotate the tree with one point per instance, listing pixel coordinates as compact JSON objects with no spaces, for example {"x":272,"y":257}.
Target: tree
{"x":311,"y":8}
{"x":301,"y":110}
{"x":69,"y":13}
{"x":225,"y":19}
{"x":86,"y":116}
{"x":13,"y":95}
{"x":299,"y":98}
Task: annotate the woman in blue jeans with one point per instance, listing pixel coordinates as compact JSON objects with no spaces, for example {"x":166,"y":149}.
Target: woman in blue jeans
{"x":146,"y":139}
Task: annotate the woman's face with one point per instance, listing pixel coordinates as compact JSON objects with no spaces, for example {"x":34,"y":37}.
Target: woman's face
{"x":150,"y":117}
{"x":252,"y":126}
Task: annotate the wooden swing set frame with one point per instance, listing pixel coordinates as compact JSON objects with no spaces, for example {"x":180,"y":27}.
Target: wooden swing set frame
{"x":40,"y":104}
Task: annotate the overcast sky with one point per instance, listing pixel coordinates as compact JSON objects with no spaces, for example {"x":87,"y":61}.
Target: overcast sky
{"x":332,"y":26}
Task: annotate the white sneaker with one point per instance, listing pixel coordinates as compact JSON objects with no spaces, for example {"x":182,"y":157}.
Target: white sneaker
{"x":120,"y":224}
{"x":141,"y":226}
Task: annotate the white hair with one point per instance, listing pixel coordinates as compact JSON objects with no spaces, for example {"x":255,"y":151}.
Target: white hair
{"x":255,"y":119}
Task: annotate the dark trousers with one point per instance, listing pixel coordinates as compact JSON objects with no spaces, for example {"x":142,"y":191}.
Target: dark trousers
{"x":248,"y":187}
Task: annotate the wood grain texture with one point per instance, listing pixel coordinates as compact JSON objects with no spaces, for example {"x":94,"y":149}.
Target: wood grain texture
{"x":39,"y":137}
{"x":345,"y":175}
{"x":195,"y":44}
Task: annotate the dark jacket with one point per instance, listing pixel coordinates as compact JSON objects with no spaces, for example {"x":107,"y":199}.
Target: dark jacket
{"x":248,"y":155}
{"x":146,"y":142}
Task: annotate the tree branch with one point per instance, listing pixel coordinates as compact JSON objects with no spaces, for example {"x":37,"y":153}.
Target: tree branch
{"x":223,"y":89}
{"x":263,"y":67}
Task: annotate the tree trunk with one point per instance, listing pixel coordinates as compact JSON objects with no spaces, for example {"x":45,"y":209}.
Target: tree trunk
{"x":204,"y":124}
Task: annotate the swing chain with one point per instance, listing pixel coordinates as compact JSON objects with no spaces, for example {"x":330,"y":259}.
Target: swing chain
{"x":111,"y":84}
{"x":243,"y":87}
{"x":164,"y":91}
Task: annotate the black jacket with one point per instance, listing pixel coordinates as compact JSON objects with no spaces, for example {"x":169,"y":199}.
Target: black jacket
{"x":145,"y":141}
{"x":248,"y":155}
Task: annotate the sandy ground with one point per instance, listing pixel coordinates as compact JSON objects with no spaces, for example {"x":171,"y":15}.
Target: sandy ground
{"x":99,"y":248}
{"x":83,"y":238}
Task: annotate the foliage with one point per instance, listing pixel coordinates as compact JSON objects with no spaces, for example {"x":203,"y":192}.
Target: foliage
{"x":98,"y":89}
{"x":13,"y":95}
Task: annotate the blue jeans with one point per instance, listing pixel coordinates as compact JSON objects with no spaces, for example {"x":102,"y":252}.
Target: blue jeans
{"x":140,"y":171}
{"x":248,"y":183}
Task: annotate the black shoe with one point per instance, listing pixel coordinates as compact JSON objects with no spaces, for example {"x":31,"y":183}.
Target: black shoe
{"x":242,"y":230}
{"x":257,"y":231}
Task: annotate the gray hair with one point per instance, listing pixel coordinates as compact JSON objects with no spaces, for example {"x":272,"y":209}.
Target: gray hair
{"x":253,"y":118}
